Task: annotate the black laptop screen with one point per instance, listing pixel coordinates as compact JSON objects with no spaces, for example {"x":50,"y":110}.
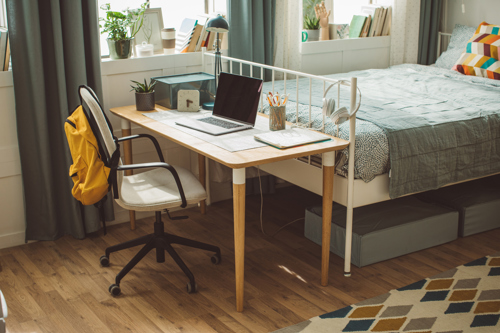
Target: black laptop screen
{"x":237,"y":97}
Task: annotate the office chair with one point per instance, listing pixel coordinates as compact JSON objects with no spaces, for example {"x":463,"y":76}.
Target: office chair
{"x":157,"y":190}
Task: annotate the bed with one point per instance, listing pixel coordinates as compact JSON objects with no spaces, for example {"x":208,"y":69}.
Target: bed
{"x":418,"y":128}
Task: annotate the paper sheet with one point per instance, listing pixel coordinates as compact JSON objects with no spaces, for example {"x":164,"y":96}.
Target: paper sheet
{"x":236,"y":141}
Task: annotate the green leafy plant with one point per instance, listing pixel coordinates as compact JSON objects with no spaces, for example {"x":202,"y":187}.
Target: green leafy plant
{"x":143,"y":88}
{"x":117,"y":24}
{"x":311,"y":23}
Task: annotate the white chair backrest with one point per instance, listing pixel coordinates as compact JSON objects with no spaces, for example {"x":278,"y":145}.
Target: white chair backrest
{"x":94,"y":106}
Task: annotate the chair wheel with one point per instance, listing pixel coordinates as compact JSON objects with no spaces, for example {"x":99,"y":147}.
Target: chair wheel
{"x":190,"y":288}
{"x":215,"y":259}
{"x":114,"y":289}
{"x":104,"y":261}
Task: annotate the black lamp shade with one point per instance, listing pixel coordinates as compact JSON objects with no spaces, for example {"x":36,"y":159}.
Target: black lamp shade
{"x":217,"y":24}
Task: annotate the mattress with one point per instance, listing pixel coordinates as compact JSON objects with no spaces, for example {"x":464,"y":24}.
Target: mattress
{"x":430,"y":126}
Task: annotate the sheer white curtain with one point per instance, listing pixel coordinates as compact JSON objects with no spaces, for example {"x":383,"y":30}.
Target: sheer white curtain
{"x":404,"y":31}
{"x":287,"y":34}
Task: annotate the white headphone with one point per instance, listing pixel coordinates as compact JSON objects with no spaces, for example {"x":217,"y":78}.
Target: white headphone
{"x":328,"y":103}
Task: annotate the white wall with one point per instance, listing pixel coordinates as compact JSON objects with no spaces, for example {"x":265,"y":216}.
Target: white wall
{"x":12,"y":223}
{"x":476,"y":11}
{"x":116,"y":76}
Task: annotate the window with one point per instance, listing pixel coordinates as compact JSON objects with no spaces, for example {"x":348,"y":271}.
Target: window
{"x":343,"y":10}
{"x":173,"y":11}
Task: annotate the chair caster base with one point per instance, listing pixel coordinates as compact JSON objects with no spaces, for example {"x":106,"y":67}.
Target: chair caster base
{"x":191,"y":289}
{"x":215,"y":259}
{"x":114,"y":290}
{"x":104,"y":261}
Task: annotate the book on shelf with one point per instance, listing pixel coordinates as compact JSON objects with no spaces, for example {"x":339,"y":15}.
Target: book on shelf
{"x":191,"y":46}
{"x":388,"y":21}
{"x":7,"y":56}
{"x":380,"y":27}
{"x":4,"y":39}
{"x":366,"y":27}
{"x":356,"y":26}
{"x":185,"y":34}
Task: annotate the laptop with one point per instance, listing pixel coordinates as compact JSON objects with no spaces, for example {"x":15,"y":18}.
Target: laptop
{"x":235,"y":106}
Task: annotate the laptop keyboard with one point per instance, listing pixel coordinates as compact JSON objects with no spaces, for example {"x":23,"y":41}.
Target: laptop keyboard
{"x":219,"y":122}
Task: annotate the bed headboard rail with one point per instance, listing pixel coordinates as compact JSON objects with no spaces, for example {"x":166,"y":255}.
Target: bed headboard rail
{"x":253,"y":65}
{"x":443,"y":38}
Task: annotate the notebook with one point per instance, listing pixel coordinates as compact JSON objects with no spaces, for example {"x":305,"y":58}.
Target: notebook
{"x":235,"y":106}
{"x":291,"y":137}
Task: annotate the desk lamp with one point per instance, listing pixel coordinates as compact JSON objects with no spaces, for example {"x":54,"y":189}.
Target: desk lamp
{"x":217,"y":24}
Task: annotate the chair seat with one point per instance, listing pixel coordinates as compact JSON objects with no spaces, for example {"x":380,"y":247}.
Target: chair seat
{"x":156,"y":190}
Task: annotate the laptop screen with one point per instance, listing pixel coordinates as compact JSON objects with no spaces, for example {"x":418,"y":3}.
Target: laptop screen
{"x":237,"y":97}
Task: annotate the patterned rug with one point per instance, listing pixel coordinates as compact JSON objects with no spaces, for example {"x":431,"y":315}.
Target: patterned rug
{"x":463,"y":299}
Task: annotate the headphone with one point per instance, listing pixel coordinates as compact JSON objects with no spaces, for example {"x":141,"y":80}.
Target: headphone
{"x":328,"y":103}
{"x":337,"y":116}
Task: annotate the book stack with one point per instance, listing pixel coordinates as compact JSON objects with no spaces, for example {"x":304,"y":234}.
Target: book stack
{"x":373,"y":21}
{"x":193,"y":36}
{"x":186,"y":34}
{"x":4,"y":49}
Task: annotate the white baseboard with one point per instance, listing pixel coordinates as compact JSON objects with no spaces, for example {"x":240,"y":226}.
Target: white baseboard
{"x":10,"y":240}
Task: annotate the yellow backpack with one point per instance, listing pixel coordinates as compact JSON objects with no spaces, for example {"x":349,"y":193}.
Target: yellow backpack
{"x":89,"y":171}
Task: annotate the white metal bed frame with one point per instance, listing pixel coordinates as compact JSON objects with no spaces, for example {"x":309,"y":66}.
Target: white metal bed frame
{"x":292,"y":171}
{"x":288,"y":170}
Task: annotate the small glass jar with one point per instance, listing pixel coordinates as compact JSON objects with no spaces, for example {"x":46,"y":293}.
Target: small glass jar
{"x":277,"y":118}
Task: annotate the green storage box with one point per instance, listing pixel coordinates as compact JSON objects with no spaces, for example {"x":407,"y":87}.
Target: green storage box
{"x":167,"y":87}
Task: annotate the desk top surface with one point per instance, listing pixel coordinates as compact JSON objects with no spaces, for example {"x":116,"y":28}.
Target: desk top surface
{"x":239,"y":159}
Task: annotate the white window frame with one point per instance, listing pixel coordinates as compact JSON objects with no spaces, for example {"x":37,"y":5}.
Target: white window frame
{"x":3,"y":14}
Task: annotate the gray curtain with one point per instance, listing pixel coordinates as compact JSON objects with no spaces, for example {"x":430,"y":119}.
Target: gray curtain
{"x":251,"y":32}
{"x":430,"y":18}
{"x":55,"y":48}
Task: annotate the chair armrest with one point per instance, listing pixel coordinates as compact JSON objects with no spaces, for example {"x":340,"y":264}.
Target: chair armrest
{"x":159,"y":165}
{"x":150,"y":137}
{"x":3,"y":307}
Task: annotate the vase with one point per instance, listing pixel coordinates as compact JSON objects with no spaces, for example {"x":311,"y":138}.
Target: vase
{"x":145,"y":101}
{"x":120,"y":49}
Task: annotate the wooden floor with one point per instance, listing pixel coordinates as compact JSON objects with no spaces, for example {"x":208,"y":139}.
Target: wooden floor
{"x":60,"y":287}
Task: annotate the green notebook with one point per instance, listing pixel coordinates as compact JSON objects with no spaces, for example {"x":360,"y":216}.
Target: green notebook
{"x":356,"y":26}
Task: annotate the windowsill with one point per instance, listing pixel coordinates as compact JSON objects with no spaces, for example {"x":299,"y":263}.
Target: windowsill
{"x":338,"y":45}
{"x":157,"y":61}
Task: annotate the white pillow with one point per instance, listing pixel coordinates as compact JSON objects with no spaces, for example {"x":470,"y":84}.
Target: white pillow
{"x":459,"y":38}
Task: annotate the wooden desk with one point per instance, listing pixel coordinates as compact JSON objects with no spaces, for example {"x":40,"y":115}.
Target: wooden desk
{"x":238,"y":161}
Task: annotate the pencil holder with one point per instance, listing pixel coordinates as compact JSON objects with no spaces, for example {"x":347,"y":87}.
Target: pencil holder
{"x":277,"y":117}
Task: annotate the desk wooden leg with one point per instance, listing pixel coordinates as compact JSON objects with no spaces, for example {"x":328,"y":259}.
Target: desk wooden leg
{"x":127,"y":149}
{"x":328,"y":172}
{"x":239,"y":234}
{"x":203,"y":181}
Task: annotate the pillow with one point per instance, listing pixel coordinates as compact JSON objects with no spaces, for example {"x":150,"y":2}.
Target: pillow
{"x":480,"y":57}
{"x":458,"y":41}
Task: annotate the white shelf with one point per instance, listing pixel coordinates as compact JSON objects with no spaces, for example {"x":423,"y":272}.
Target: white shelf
{"x":345,"y":45}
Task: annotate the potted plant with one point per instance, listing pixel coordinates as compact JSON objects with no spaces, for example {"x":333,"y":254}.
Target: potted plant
{"x":121,"y":28}
{"x":144,"y":95}
{"x":311,"y":29}
{"x":311,"y":22}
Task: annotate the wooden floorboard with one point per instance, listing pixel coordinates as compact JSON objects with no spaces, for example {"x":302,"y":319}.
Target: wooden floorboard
{"x":60,"y":286}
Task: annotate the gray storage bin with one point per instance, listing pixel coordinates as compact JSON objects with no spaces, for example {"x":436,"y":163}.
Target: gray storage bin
{"x":167,"y":87}
{"x":387,"y":229}
{"x":478,"y":204}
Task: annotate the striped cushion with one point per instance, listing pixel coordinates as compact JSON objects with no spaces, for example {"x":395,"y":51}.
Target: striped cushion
{"x":480,"y":57}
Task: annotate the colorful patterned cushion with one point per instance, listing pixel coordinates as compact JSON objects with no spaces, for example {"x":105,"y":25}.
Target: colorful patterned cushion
{"x":480,"y":57}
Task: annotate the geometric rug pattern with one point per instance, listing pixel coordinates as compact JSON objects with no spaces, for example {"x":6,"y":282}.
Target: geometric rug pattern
{"x":463,"y":299}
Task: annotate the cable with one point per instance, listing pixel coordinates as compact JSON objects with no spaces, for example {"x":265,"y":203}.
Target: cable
{"x":261,"y":211}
